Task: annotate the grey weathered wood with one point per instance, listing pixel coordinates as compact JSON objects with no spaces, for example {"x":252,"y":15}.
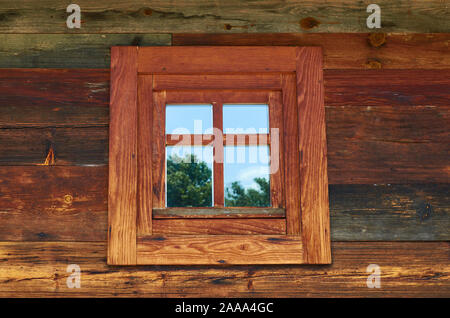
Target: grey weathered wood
{"x":134,"y":16}
{"x":68,"y":50}
{"x":390,"y":212}
{"x":218,"y":212}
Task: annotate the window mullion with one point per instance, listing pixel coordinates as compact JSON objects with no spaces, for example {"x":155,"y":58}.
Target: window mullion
{"x":218,"y":154}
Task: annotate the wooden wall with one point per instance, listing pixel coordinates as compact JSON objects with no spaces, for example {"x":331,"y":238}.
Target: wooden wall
{"x":388,"y":117}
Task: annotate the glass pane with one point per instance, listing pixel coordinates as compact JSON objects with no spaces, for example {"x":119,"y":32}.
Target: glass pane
{"x":188,"y":119}
{"x":246,"y":176}
{"x":189,"y":176}
{"x":246,"y":118}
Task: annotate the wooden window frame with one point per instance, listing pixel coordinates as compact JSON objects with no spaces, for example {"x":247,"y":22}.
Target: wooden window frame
{"x":141,"y":78}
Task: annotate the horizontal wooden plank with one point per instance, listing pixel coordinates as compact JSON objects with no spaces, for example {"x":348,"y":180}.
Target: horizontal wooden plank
{"x":67,"y":50}
{"x":387,"y":145}
{"x":407,"y":269}
{"x":219,"y":226}
{"x":218,"y":212}
{"x":70,"y":146}
{"x":210,"y":59}
{"x":373,"y":144}
{"x":346,"y":50}
{"x":215,"y":81}
{"x":53,"y":203}
{"x":387,"y":87}
{"x":219,"y":249}
{"x":70,"y":204}
{"x":79,"y":97}
{"x":131,"y":16}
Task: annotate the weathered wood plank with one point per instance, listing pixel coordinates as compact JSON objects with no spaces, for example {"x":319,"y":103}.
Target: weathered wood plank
{"x":70,"y":204}
{"x":123,"y":158}
{"x":228,"y":59}
{"x":390,"y":212}
{"x":315,"y":214}
{"x":348,"y":51}
{"x":70,"y":146}
{"x":53,"y":203}
{"x":219,"y":249}
{"x":219,"y":212}
{"x":378,"y":144}
{"x":388,"y":145}
{"x":407,"y":269}
{"x":68,"y":50}
{"x":219,"y":226}
{"x":80,"y":97}
{"x":49,"y":16}
{"x":387,"y":87}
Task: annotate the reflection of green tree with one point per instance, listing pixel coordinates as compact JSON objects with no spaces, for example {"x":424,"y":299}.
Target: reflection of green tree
{"x":188,"y":182}
{"x":189,"y":185}
{"x":236,"y":195}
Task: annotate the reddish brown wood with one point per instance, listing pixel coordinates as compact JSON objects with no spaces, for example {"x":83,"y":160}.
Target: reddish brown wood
{"x":123,"y":173}
{"x":191,"y":60}
{"x":218,"y":168}
{"x":219,"y":226}
{"x":291,"y":155}
{"x":218,"y":81}
{"x":145,"y":127}
{"x":315,"y":218}
{"x":210,"y":96}
{"x":276,"y":149}
{"x":159,"y":149}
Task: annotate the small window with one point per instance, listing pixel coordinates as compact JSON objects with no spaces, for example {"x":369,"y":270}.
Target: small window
{"x":217,"y":156}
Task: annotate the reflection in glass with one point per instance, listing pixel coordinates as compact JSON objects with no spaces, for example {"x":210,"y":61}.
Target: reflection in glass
{"x":189,"y":176}
{"x":246,"y":118}
{"x":188,"y":119}
{"x":246,"y":176}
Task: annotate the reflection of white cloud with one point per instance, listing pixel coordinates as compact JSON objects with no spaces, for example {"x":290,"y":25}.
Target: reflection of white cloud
{"x":247,"y":176}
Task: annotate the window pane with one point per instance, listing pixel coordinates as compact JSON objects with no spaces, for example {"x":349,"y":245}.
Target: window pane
{"x":246,"y":118}
{"x":246,"y":176}
{"x":188,"y":119}
{"x":189,"y":176}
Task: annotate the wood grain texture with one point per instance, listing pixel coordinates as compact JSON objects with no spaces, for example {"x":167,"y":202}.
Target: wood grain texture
{"x":315,"y":217}
{"x":227,"y":59}
{"x":159,"y":150}
{"x":223,"y":212}
{"x":387,"y":87}
{"x":68,"y":50}
{"x":215,"y":81}
{"x":80,"y":97}
{"x":406,"y":145}
{"x":123,"y":173}
{"x":69,"y":209}
{"x":144,"y":154}
{"x":291,"y":154}
{"x":275,"y":138}
{"x":202,"y":16}
{"x":411,"y":269}
{"x":219,"y":226}
{"x":53,"y":203}
{"x":348,"y":51}
{"x":219,"y":250}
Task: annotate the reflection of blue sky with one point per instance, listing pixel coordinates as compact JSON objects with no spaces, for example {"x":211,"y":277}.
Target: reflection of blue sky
{"x":245,"y":117}
{"x":245,"y":163}
{"x":184,"y":116}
